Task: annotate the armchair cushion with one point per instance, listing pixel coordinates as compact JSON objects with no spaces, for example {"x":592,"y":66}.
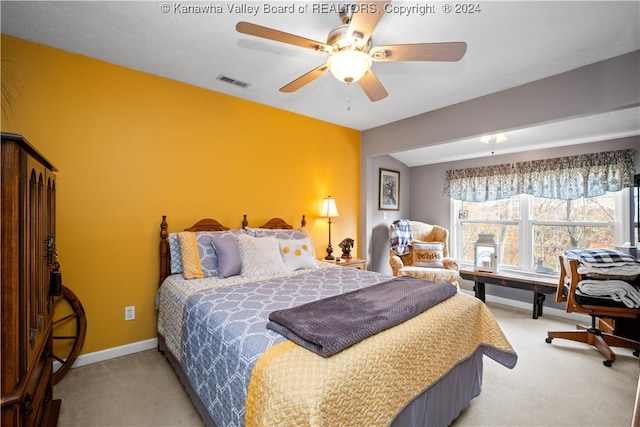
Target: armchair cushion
{"x":431,"y":274}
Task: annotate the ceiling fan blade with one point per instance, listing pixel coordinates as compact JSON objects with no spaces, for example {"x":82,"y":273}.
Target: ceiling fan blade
{"x":280,"y":36}
{"x":366,"y":16}
{"x":304,"y":79}
{"x":372,"y":87}
{"x":450,"y":51}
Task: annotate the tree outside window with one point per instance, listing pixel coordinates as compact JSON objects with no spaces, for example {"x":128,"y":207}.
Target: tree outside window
{"x":532,"y":232}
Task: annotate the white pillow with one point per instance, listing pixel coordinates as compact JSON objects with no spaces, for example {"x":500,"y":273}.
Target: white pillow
{"x":297,"y":253}
{"x":260,"y":257}
{"x":428,"y":254}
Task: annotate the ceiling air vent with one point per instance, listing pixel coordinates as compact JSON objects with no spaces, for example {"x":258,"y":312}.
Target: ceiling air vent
{"x":229,"y":80}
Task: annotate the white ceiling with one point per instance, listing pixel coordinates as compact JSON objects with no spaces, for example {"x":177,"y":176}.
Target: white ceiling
{"x":509,"y":43}
{"x":601,"y":127}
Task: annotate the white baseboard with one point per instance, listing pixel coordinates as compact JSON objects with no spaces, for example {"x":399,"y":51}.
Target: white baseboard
{"x":112,"y":353}
{"x":529,"y":306}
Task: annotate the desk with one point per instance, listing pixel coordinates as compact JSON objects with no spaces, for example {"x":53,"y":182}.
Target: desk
{"x":539,"y":286}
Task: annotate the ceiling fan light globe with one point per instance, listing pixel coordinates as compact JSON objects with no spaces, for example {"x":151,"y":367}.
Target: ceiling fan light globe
{"x":349,"y":65}
{"x":500,"y":138}
{"x":497,"y":138}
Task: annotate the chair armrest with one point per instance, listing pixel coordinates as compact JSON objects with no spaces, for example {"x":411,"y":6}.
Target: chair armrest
{"x":396,"y":263}
{"x":573,"y":285}
{"x":560,"y":296}
{"x":451,"y":264}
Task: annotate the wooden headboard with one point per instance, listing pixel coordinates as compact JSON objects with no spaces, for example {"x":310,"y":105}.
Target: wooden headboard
{"x":208,"y":224}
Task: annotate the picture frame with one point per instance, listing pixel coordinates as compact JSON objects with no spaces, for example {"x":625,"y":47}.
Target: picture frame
{"x":389,"y":190}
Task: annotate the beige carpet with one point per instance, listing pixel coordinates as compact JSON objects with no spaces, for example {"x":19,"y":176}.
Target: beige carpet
{"x":558,"y":384}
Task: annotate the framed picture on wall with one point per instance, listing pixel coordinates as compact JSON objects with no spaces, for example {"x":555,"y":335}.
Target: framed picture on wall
{"x":389,"y":190}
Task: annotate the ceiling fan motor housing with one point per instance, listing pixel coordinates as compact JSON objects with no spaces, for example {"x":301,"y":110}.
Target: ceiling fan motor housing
{"x":339,"y":40}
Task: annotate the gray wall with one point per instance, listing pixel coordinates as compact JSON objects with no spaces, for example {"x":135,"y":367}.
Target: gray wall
{"x":378,"y":229}
{"x":597,"y":88}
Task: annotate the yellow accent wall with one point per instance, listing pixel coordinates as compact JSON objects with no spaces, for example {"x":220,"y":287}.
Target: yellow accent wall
{"x":131,"y":147}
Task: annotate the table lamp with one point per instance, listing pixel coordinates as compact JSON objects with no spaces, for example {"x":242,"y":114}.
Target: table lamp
{"x":329,"y":210}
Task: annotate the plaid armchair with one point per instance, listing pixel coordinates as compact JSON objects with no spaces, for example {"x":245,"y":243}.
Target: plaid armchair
{"x":421,"y":250}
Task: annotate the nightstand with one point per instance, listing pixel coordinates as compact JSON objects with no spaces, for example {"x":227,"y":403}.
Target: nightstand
{"x":352,"y":262}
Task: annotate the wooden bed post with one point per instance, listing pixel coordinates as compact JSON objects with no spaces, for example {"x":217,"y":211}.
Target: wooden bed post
{"x":165,"y":261}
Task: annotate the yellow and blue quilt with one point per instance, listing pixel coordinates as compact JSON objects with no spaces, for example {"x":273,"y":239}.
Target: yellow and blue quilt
{"x":246,"y":374}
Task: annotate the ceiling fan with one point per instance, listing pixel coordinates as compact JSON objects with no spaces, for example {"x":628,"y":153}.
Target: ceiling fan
{"x":351,"y":51}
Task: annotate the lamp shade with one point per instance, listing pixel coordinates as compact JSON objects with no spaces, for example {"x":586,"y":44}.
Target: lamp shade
{"x":329,"y":209}
{"x":349,"y":65}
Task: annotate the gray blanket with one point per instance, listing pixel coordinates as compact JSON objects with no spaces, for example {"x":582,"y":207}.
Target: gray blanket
{"x":330,"y":325}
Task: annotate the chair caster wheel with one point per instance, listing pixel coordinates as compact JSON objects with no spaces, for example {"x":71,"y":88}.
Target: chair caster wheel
{"x":607,"y":363}
{"x":548,"y":340}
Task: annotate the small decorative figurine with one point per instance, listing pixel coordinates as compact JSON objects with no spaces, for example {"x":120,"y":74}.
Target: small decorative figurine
{"x":346,"y":246}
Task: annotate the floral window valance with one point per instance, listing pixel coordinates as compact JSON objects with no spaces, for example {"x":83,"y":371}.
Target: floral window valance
{"x":567,"y":178}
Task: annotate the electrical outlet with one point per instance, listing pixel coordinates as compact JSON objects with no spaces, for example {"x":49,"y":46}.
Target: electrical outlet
{"x":130,"y":312}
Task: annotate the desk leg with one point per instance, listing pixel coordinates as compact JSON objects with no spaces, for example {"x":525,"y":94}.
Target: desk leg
{"x":538,"y":303}
{"x":478,"y":289}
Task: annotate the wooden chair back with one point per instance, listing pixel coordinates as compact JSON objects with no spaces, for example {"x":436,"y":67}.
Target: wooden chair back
{"x":569,"y":274}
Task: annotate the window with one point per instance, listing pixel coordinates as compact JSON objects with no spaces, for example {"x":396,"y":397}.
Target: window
{"x":538,"y":209}
{"x":531,"y":232}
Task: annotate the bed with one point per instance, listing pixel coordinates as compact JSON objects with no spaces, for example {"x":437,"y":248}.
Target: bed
{"x":214,"y":327}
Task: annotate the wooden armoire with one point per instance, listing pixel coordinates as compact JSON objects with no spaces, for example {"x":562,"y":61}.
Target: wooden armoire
{"x":28,"y":259}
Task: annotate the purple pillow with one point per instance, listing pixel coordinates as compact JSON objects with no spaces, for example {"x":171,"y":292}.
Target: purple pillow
{"x":228,"y":254}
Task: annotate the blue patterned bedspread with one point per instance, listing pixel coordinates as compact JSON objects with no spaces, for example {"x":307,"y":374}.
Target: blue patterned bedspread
{"x":224,"y":331}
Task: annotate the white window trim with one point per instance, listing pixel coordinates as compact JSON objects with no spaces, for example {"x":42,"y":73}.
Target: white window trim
{"x":621,"y":229}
